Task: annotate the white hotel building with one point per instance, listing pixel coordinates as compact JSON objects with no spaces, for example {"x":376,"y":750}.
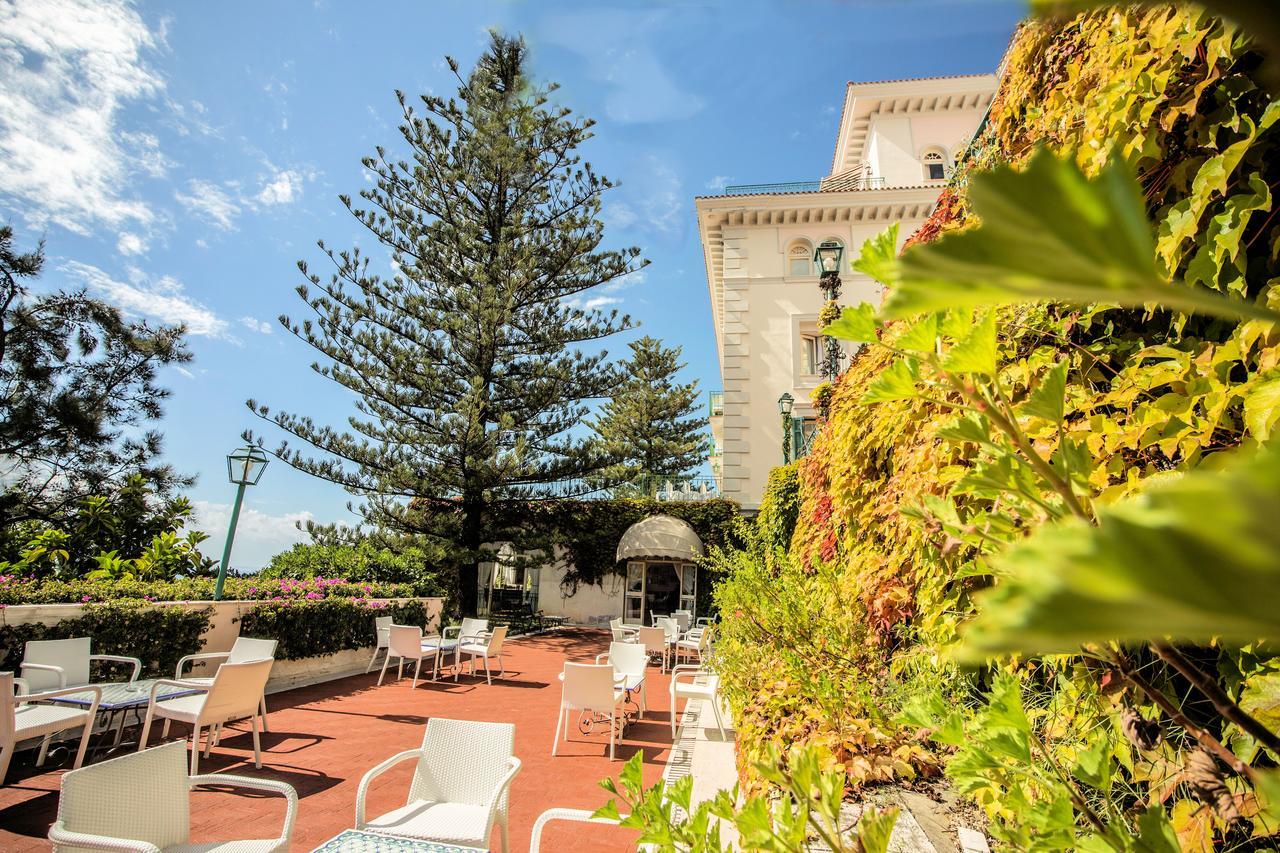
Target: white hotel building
{"x":896,"y":143}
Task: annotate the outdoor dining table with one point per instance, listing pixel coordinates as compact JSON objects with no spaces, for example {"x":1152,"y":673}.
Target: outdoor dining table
{"x":359,"y":841}
{"x":118,"y":699}
{"x":441,"y":646}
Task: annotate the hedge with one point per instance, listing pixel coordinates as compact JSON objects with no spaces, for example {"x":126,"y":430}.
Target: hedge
{"x":311,"y":628}
{"x":15,"y":590}
{"x":158,"y":636}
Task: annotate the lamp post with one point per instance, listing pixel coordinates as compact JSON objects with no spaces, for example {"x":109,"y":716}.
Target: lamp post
{"x":244,"y":468}
{"x":827,"y":257}
{"x":785,"y":404}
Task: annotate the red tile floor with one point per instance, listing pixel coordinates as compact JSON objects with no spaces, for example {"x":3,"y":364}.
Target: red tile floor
{"x":323,"y":738}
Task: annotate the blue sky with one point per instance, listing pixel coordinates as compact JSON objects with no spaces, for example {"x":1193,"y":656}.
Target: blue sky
{"x":179,"y":158}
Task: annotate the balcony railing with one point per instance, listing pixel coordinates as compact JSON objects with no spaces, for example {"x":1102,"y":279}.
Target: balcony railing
{"x":649,"y":486}
{"x":862,"y":182}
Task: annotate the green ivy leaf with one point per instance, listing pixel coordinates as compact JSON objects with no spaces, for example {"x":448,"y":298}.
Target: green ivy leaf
{"x":1192,"y":558}
{"x":969,"y":427}
{"x":921,"y":336}
{"x":1262,"y":405}
{"x":879,"y":257}
{"x":857,"y":324}
{"x":896,"y":382}
{"x":1047,"y":400}
{"x":875,"y":828}
{"x":976,"y":353}
{"x":1049,"y":233}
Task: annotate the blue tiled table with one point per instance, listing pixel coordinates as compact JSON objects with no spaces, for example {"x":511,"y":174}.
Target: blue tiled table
{"x":356,"y":841}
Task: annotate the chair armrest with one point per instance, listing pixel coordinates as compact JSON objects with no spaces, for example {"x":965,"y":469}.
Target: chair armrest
{"x":176,"y":682}
{"x":444,"y":632}
{"x":576,"y":815}
{"x":482,"y":638}
{"x":513,"y":767}
{"x":687,"y":670}
{"x":601,"y":658}
{"x":283,"y":788}
{"x":60,"y":835}
{"x":177,"y":673}
{"x":137,"y":664}
{"x":377,"y":771}
{"x":65,"y":691}
{"x":21,"y":686}
{"x":48,"y":667}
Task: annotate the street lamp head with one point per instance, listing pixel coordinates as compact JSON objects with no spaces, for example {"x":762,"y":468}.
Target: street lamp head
{"x":246,"y":464}
{"x":785,"y":402}
{"x":827,"y":257}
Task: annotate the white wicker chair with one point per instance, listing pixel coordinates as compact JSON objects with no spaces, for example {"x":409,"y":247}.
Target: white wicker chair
{"x":381,"y":638}
{"x":629,"y":662}
{"x":460,"y":786}
{"x":244,"y":649}
{"x":21,"y":719}
{"x":54,"y":664}
{"x":623,"y":633}
{"x":576,"y":815}
{"x":142,"y":802}
{"x":485,"y":645}
{"x":233,"y":695}
{"x":707,"y":690}
{"x":469,"y":628}
{"x":404,"y":642}
{"x":654,"y":641}
{"x":589,"y":687}
{"x":697,"y":642}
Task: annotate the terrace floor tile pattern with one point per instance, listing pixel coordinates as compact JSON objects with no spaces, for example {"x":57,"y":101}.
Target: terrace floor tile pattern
{"x":324,"y":738}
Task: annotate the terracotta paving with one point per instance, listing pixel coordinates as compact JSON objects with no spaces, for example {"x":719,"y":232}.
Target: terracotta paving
{"x":323,"y":738}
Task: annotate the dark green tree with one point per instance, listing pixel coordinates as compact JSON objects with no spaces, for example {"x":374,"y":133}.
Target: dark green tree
{"x":77,"y":390}
{"x":466,"y":363}
{"x":653,"y":425}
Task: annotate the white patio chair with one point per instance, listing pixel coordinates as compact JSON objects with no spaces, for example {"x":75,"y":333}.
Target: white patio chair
{"x":142,"y":802}
{"x":697,"y":642}
{"x":469,"y":628}
{"x":576,"y":815}
{"x":707,"y":690}
{"x":460,"y":785}
{"x":623,"y":633}
{"x":381,"y":638}
{"x":656,"y":618}
{"x":485,"y":645}
{"x":233,"y":695}
{"x":244,"y":649}
{"x":54,"y":664}
{"x":703,"y":621}
{"x":654,"y":641}
{"x":404,"y":642}
{"x":684,"y":619}
{"x":21,"y":719}
{"x":629,"y":662}
{"x":591,"y":688}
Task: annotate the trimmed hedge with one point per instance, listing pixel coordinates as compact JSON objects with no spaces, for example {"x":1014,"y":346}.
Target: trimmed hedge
{"x":15,"y":590}
{"x":158,"y":636}
{"x":311,"y":628}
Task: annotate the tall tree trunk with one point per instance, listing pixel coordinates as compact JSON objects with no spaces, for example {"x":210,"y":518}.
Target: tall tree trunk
{"x":469,"y":567}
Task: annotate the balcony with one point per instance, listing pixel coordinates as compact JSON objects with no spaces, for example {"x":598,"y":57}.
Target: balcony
{"x":857,"y":178}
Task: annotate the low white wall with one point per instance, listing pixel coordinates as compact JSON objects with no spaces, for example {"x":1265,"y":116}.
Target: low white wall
{"x":223,"y":629}
{"x":591,"y":604}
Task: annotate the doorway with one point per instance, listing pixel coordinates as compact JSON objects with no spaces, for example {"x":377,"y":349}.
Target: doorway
{"x":658,"y":586}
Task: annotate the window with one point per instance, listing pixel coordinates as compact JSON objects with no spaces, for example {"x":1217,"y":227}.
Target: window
{"x":811,"y":354}
{"x":800,"y":259}
{"x":935,"y":166}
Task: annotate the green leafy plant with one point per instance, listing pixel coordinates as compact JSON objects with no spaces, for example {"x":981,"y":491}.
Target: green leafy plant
{"x":309,"y":628}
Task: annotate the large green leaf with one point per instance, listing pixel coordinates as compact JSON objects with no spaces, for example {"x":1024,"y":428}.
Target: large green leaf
{"x":1049,"y":233}
{"x":879,"y":256}
{"x":857,"y":324}
{"x":895,"y":382}
{"x":1192,"y":558}
{"x":976,"y":353}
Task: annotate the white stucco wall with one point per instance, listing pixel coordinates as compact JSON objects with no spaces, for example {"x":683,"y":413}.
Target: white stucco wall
{"x":897,"y":143}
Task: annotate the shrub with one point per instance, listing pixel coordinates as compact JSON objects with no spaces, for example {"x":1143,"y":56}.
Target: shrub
{"x":364,"y":562}
{"x":15,"y":590}
{"x":158,"y":636}
{"x":309,"y":628}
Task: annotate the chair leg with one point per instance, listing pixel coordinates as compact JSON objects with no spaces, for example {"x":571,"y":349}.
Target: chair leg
{"x":487,"y":677}
{"x":417,"y":665}
{"x":399,"y":668}
{"x":555,"y":742}
{"x":257,"y":745}
{"x":715,"y":707}
{"x":146,"y":729}
{"x":195,"y":749}
{"x":613,"y":730}
{"x":502,"y":668}
{"x":6,"y":753}
{"x":674,"y":715}
{"x":164,"y":732}
{"x":84,"y":742}
{"x":209,"y":735}
{"x":506,"y":841}
{"x":44,"y":749}
{"x":369,"y":668}
{"x":386,"y":660}
{"x":262,"y":709}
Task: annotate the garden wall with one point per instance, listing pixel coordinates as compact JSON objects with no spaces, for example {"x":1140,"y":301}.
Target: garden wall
{"x":224,"y":627}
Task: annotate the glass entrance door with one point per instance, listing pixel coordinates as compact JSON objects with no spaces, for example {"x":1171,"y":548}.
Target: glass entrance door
{"x":661,"y":590}
{"x":658,"y":587}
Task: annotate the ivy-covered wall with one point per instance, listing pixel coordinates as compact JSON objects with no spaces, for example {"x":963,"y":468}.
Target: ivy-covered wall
{"x":827,"y":638}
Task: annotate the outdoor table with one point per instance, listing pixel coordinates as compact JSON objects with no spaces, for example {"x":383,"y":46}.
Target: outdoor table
{"x":359,"y":841}
{"x":441,"y":646}
{"x":121,"y":697}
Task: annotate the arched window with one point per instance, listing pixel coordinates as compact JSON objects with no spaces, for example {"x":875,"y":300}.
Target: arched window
{"x":799,"y":259}
{"x":935,"y":164}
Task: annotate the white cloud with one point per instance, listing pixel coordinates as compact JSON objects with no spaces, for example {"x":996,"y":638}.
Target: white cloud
{"x":282,"y":188}
{"x":259,"y":536}
{"x":663,"y":206}
{"x":130,"y":244}
{"x":67,"y":70}
{"x":719,"y":182}
{"x":262,"y":327}
{"x":161,"y":299}
{"x":209,"y":201}
{"x":606,"y":294}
